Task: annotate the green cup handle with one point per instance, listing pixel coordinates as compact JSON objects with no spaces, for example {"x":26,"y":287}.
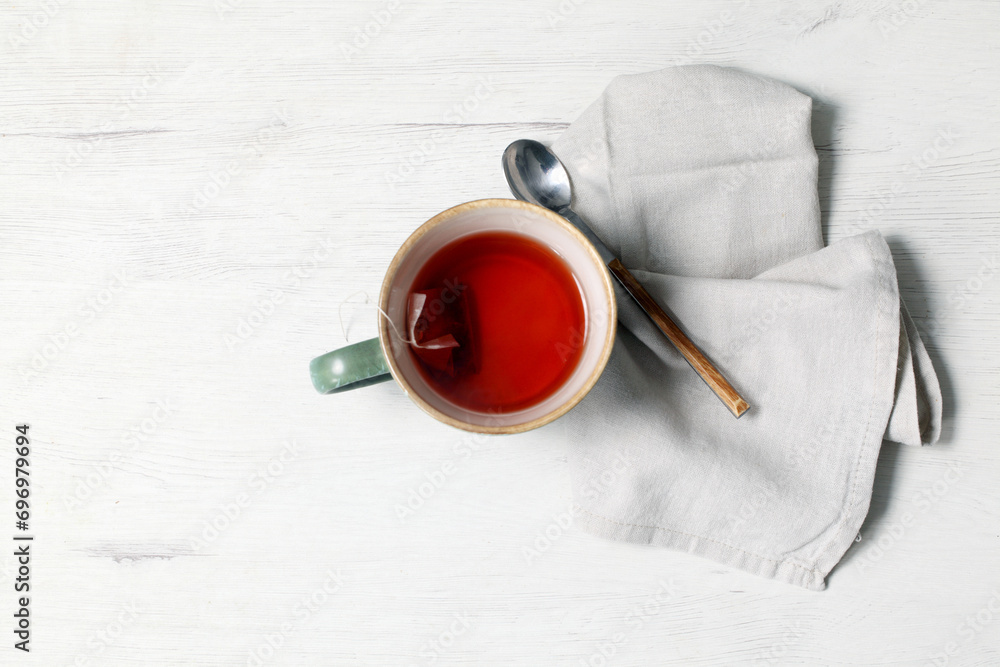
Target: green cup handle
{"x":350,"y":367}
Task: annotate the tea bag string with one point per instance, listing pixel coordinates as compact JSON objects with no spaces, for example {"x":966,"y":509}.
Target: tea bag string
{"x":382,"y":313}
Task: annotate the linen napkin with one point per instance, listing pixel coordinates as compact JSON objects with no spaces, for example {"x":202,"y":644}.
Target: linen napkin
{"x":703,"y":181}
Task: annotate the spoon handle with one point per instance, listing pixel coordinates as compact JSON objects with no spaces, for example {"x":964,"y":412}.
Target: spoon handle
{"x":699,"y":362}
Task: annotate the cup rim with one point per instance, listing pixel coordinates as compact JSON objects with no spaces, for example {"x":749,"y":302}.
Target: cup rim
{"x":383,"y":326}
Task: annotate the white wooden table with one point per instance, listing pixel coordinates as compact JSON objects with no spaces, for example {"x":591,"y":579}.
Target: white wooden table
{"x":189,"y":190}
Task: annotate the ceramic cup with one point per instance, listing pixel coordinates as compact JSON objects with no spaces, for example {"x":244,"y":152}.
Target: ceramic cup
{"x":388,"y":355}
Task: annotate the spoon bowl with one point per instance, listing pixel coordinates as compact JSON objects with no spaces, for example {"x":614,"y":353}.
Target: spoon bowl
{"x":535,"y":175}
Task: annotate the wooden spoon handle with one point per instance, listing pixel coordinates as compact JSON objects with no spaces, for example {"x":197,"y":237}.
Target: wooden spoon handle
{"x":699,"y":362}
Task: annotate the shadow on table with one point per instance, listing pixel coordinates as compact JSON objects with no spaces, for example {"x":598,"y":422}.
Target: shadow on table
{"x":824,"y":117}
{"x":911,"y":279}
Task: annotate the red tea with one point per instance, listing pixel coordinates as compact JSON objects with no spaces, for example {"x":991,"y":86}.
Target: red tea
{"x":501,"y":322}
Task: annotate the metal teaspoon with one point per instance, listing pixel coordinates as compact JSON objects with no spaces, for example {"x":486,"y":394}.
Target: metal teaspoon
{"x":537,"y":176}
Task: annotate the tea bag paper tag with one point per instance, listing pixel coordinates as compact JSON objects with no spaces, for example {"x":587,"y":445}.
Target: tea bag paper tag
{"x":416,"y":308}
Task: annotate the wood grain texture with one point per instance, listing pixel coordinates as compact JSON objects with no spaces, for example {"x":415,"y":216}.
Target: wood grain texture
{"x":194,"y":188}
{"x":699,"y":362}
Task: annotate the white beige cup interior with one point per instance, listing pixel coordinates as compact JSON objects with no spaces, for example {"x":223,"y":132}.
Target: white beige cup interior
{"x":519,"y":218}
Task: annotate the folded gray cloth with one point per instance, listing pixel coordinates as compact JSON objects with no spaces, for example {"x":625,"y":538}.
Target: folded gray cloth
{"x":703,"y":181}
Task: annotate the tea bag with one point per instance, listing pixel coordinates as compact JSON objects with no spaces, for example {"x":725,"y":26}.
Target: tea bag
{"x":440,"y":330}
